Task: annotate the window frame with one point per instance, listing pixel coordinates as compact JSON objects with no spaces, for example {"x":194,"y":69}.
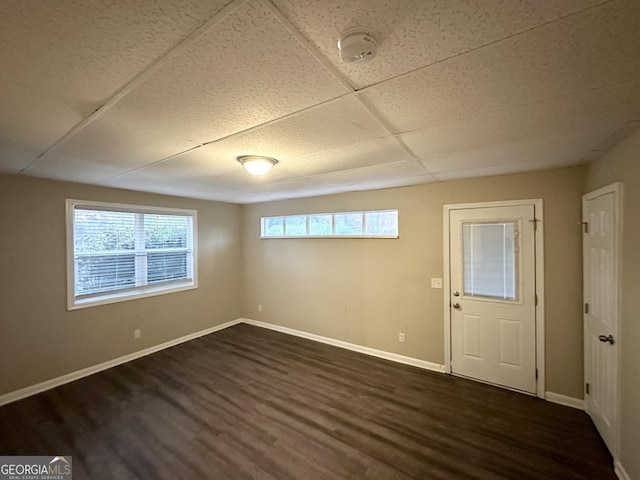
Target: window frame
{"x":151,"y":290}
{"x":363,"y":213}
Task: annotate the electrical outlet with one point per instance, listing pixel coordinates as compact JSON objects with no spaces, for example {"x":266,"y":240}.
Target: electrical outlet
{"x":401,"y":337}
{"x":137,"y":333}
{"x":259,"y":308}
{"x":436,"y":283}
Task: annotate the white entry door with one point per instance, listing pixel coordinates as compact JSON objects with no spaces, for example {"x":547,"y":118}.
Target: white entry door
{"x":600,"y":249}
{"x":492,"y":305}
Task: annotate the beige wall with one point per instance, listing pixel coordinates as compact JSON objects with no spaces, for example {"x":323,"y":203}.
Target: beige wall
{"x":366,"y":291}
{"x":42,"y":340}
{"x":622,"y":164}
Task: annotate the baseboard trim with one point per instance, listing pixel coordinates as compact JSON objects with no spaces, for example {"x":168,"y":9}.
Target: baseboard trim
{"x":620,"y":471}
{"x":564,"y":400}
{"x":394,"y":357}
{"x":85,"y":372}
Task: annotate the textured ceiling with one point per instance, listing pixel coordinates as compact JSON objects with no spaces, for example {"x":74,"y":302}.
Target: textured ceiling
{"x":162,"y":95}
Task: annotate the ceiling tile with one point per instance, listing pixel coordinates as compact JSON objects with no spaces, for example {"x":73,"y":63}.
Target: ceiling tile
{"x":376,"y":174}
{"x":29,"y":124}
{"x":340,"y":122}
{"x":571,"y":124}
{"x":245,"y":71}
{"x":292,"y":188}
{"x":82,"y":51}
{"x":106,"y":148}
{"x":533,"y":164}
{"x":238,"y":179}
{"x":412,"y":34}
{"x":349,"y":157}
{"x":592,"y":49}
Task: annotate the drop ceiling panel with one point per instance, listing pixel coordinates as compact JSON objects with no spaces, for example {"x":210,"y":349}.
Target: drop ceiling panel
{"x":377,"y":174}
{"x":292,"y":188}
{"x":412,"y":34}
{"x":340,"y":122}
{"x":196,"y":164}
{"x":82,"y":51}
{"x":168,"y":186}
{"x":237,"y":180}
{"x":565,"y":148}
{"x":540,"y":163}
{"x":29,"y":124}
{"x":107,"y":148}
{"x":348,"y":157}
{"x":573,"y":123}
{"x":245,"y":71}
{"x":592,"y":49}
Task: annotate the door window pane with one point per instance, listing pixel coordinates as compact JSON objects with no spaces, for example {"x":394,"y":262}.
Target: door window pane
{"x":490,"y":260}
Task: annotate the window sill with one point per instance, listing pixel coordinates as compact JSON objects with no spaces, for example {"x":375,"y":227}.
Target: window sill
{"x":116,"y":297}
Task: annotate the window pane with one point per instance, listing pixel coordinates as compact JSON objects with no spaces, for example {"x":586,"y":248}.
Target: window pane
{"x":296,"y":225}
{"x":104,"y":273}
{"x":165,"y":267}
{"x":273,"y":227}
{"x":103,"y":231}
{"x":166,"y":231}
{"x":489,"y":260}
{"x":381,"y":223}
{"x":320,"y":224}
{"x":348,"y":223}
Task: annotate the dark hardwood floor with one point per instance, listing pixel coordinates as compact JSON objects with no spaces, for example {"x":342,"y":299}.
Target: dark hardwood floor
{"x":247,"y":403}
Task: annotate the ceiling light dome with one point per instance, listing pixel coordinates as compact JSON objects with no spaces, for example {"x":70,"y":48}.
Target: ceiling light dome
{"x":256,"y":164}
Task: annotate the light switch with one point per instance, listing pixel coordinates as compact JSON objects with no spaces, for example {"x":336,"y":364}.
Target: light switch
{"x":436,"y":283}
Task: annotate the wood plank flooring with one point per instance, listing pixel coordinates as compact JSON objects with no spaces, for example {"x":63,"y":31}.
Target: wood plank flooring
{"x":250,"y":403}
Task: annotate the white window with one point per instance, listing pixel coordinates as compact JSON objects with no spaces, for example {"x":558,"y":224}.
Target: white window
{"x":370,"y":224}
{"x":120,"y":252}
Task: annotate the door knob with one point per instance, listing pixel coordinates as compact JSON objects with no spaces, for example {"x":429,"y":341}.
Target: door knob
{"x":604,"y":338}
{"x":456,"y":306}
{"x":456,"y":293}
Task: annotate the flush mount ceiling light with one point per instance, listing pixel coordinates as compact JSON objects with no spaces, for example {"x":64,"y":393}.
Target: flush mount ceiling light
{"x":357,"y":45}
{"x":257,"y":165}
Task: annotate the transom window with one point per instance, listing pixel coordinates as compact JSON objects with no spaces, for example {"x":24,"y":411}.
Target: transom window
{"x":121,"y":252}
{"x":369,"y":224}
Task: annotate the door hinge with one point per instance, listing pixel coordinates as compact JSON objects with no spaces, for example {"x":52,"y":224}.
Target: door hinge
{"x":535,"y":223}
{"x":585,"y":226}
{"x":536,"y":373}
{"x":536,"y":300}
{"x":586,"y":308}
{"x":586,"y":388}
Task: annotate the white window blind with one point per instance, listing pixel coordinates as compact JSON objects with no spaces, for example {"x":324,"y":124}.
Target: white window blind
{"x":121,"y":252}
{"x":490,"y":260}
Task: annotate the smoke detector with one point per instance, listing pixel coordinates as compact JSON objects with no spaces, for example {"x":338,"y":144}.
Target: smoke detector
{"x":357,"y":45}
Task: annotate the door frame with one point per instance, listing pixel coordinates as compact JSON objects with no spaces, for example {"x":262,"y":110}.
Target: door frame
{"x":539,"y":281}
{"x":618,"y":189}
